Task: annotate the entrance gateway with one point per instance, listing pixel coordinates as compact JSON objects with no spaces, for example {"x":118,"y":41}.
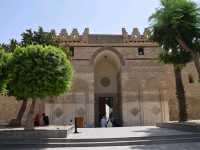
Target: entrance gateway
{"x":122,"y":67}
{"x":107,"y":87}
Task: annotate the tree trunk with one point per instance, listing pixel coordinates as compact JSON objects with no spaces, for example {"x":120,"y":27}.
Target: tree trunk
{"x":21,"y":112}
{"x":180,"y":93}
{"x":195,"y":55}
{"x":29,"y":120}
{"x":17,"y":122}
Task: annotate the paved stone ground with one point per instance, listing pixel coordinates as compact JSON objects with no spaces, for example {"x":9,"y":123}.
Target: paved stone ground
{"x":180,"y":146}
{"x":93,"y":133}
{"x":140,"y":131}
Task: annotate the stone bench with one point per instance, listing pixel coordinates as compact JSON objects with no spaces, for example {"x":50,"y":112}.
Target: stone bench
{"x":38,"y":133}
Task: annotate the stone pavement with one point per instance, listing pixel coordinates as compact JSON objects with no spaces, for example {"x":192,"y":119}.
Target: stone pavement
{"x":140,"y":131}
{"x":126,"y":138}
{"x":182,"y":146}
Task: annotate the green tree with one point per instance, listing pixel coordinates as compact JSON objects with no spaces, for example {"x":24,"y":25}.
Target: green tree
{"x":38,"y":37}
{"x":5,"y":47}
{"x":37,"y":72}
{"x":5,"y":83}
{"x":30,"y":37}
{"x":27,"y":37}
{"x":13,"y":45}
{"x":178,"y":58}
{"x":178,"y":20}
{"x":4,"y":76}
{"x":10,"y":47}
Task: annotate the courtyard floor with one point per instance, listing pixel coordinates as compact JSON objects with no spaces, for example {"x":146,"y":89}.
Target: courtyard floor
{"x":180,"y":146}
{"x":140,"y":131}
{"x":127,"y":138}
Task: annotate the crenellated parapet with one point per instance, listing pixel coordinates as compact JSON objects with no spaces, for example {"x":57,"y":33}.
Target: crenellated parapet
{"x":146,"y":34}
{"x":135,"y":36}
{"x":125,"y":35}
{"x":73,"y":38}
{"x":65,"y":38}
{"x":85,"y":35}
{"x":63,"y":33}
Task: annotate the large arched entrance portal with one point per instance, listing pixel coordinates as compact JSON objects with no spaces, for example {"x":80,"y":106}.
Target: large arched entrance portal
{"x":107,"y":75}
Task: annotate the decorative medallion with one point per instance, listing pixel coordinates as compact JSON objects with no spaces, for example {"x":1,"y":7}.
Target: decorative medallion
{"x":58,"y":112}
{"x":155,"y":110}
{"x":81,"y":111}
{"x":105,"y":81}
{"x":134,"y":111}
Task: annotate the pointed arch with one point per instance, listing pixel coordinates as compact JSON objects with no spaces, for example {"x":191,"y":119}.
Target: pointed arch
{"x":111,"y":49}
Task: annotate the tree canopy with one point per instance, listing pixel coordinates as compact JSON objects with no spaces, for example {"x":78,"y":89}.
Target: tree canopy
{"x":4,"y":76}
{"x":37,"y":37}
{"x":10,"y":47}
{"x":39,"y":71}
{"x":177,"y":58}
{"x":176,"y":27}
{"x":176,"y":19}
{"x":40,"y":37}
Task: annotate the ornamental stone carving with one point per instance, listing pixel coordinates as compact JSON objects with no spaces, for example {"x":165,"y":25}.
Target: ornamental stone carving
{"x":105,"y":81}
{"x":81,"y":111}
{"x":155,"y":110}
{"x":134,"y":111}
{"x":58,"y":112}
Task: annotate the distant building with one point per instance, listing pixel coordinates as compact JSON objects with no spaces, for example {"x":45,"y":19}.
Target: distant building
{"x":121,"y":71}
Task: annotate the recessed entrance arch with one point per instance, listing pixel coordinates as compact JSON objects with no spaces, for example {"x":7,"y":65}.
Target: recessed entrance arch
{"x":107,"y":76}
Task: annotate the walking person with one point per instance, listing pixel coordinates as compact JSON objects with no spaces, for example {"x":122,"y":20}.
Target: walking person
{"x":45,"y":119}
{"x":109,"y":124}
{"x":103,"y":122}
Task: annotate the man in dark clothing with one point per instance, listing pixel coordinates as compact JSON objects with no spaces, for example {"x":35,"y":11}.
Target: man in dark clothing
{"x":45,"y":119}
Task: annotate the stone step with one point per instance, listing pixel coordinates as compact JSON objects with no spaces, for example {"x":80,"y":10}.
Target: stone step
{"x":66,"y":140}
{"x":187,"y":127}
{"x":134,"y":138}
{"x":100,"y":142}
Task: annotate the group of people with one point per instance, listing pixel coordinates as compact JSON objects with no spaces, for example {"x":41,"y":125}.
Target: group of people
{"x":110,"y":122}
{"x":41,"y":119}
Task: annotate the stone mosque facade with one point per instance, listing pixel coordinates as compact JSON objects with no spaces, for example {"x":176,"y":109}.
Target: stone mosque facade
{"x":119,"y":70}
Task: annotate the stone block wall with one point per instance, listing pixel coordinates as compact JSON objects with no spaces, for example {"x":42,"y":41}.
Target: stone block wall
{"x":192,"y":91}
{"x":9,"y":108}
{"x":147,"y":89}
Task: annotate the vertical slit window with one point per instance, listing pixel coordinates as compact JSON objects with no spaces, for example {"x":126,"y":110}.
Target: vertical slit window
{"x":190,"y":78}
{"x":71,"y":49}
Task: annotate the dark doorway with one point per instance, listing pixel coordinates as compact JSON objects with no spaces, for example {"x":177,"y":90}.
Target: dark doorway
{"x":105,"y":108}
{"x":107,"y":78}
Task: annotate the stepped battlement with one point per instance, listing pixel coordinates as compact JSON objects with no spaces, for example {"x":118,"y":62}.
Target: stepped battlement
{"x":86,"y":38}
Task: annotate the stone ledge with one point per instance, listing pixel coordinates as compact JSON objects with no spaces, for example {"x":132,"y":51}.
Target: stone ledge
{"x":187,"y":127}
{"x":37,"y":133}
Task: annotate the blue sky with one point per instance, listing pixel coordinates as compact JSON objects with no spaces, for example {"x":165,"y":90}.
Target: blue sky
{"x":101,"y":16}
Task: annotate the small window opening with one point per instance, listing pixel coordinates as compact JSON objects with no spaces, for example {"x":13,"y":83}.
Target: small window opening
{"x":190,"y":78}
{"x":71,"y":49}
{"x":140,"y":51}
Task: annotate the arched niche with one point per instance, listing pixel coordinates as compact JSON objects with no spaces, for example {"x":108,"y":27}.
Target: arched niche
{"x":107,"y":84}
